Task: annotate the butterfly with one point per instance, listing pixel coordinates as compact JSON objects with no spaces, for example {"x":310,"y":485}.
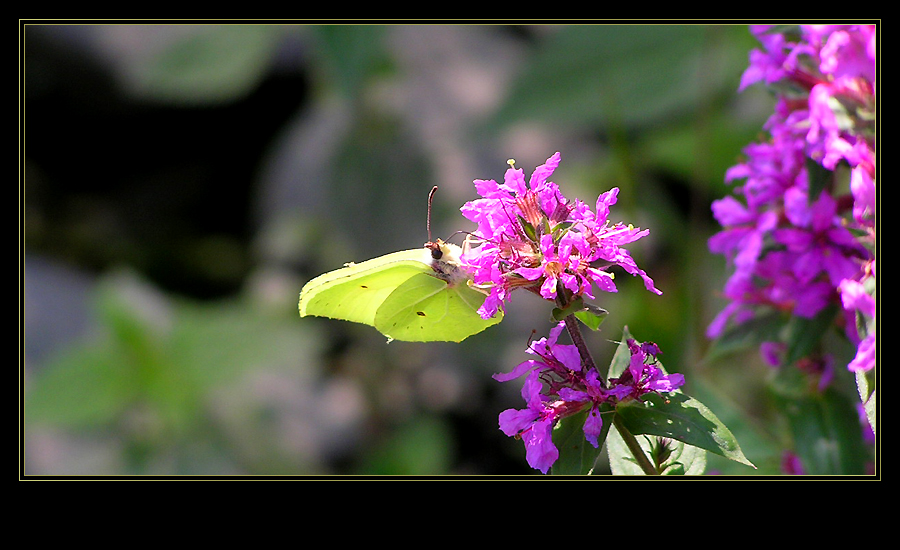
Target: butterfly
{"x":419,"y":295}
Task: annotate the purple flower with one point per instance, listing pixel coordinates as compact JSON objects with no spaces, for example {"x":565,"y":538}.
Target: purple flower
{"x":643,"y":375}
{"x":557,"y":386}
{"x":862,"y":185}
{"x":865,"y":355}
{"x":792,"y":241}
{"x":857,"y":301}
{"x":791,"y":465}
{"x":533,"y":425}
{"x":530,"y":236}
{"x":818,"y":241}
{"x":769,"y":65}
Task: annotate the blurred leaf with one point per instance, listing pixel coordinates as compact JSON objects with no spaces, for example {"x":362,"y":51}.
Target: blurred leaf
{"x":589,"y":74}
{"x":352,"y":53}
{"x":420,"y":447}
{"x":97,"y":380}
{"x":826,"y":432}
{"x":158,"y":357}
{"x":700,"y":150}
{"x":89,"y":386}
{"x":819,"y":179}
{"x":756,"y":439}
{"x":378,"y":214}
{"x":208,"y":64}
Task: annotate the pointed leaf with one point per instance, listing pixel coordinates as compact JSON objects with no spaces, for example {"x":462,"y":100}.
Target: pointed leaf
{"x":592,"y":316}
{"x":865,"y":383}
{"x":680,"y":417}
{"x":558,"y":314}
{"x":589,"y":314}
{"x":621,"y":358}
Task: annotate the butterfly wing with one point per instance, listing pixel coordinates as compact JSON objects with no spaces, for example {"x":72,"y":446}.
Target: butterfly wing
{"x":426,"y":308}
{"x":355,"y":292}
{"x":406,"y":295}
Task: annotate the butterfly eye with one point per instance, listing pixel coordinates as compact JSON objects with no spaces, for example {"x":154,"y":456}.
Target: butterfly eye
{"x":435,"y":248}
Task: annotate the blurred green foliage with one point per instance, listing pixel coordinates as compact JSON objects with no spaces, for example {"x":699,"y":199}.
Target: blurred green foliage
{"x":173,"y":381}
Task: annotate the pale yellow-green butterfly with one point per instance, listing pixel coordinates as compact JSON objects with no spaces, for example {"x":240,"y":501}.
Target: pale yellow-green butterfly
{"x":420,"y":295}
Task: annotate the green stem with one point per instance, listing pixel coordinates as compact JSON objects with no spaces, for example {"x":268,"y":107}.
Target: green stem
{"x":587,"y":361}
{"x":634,"y":447}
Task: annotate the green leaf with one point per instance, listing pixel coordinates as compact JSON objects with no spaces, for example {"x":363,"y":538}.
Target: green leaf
{"x":529,"y":229}
{"x":676,"y":416}
{"x":865,"y":383}
{"x":576,"y":455}
{"x":589,"y":314}
{"x":592,"y":316}
{"x":621,"y":358}
{"x":91,"y":385}
{"x":680,"y":417}
{"x":558,"y":314}
{"x":156,"y":355}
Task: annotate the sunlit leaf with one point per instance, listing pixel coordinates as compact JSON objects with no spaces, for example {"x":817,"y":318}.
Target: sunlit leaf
{"x":683,"y":418}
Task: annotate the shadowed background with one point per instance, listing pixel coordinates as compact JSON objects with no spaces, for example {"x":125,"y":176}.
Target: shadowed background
{"x":182,"y":182}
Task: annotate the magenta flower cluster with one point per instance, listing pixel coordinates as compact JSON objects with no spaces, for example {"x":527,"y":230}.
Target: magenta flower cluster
{"x":530,"y":236}
{"x":798,"y":243}
{"x":558,"y":386}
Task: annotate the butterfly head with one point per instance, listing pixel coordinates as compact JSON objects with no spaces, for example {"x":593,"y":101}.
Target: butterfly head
{"x":444,"y":252}
{"x":445,"y":262}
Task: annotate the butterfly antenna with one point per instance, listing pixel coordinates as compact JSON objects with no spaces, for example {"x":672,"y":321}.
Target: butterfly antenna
{"x":428,"y":218}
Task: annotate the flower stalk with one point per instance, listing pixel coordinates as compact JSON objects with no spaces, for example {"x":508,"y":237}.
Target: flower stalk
{"x":634,"y":447}
{"x":574,"y":330}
